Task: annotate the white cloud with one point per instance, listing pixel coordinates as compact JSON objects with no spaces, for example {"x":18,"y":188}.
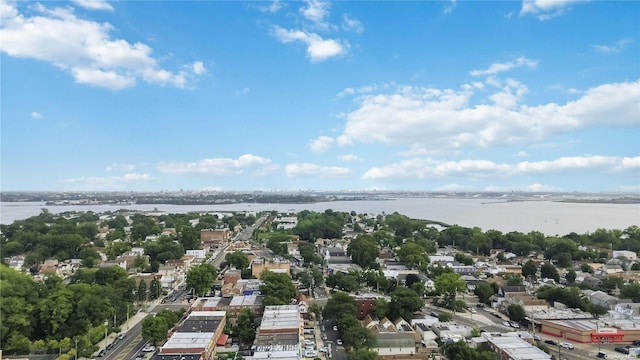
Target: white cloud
{"x":242,"y":92}
{"x":427,"y":168}
{"x":198,"y":68}
{"x":451,"y":187}
{"x":116,"y":166}
{"x":348,"y":157}
{"x":313,"y":170}
{"x":448,"y":8}
{"x":521,"y":153}
{"x":443,"y":119}
{"x":110,"y":182}
{"x":546,"y":9}
{"x":36,"y":115}
{"x":94,"y":4}
{"x":273,"y":7}
{"x":316,"y":11}
{"x":218,"y":166}
{"x":321,"y":144}
{"x":352,"y":24}
{"x":318,"y":49}
{"x":617,"y":47}
{"x":85,"y":49}
{"x":501,"y":67}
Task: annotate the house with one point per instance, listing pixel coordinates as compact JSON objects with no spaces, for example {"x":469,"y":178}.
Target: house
{"x":276,"y":265}
{"x":601,"y":298}
{"x":506,"y":291}
{"x":336,"y":255}
{"x":213,"y":238}
{"x":393,"y":338}
{"x":629,"y":255}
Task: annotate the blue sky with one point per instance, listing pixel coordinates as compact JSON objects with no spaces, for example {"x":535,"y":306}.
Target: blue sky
{"x":395,"y":95}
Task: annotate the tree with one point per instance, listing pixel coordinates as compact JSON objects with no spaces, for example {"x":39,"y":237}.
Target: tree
{"x":364,"y":251}
{"x":363,"y":354}
{"x":154,"y":289}
{"x":200,"y":278}
{"x":155,"y":329}
{"x":529,"y":269}
{"x":238,"y":259}
{"x":245,"y":326}
{"x":445,"y":317}
{"x":448,"y":285}
{"x":516,"y":312}
{"x":550,"y":272}
{"x":571,"y":276}
{"x":404,"y":302}
{"x":381,"y":308}
{"x":142,"y":291}
{"x":413,"y":255}
{"x":584,"y":267}
{"x":484,"y":292}
{"x":340,"y":304}
{"x":277,"y":288}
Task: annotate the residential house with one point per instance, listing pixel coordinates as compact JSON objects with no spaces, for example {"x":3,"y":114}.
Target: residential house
{"x":393,"y":338}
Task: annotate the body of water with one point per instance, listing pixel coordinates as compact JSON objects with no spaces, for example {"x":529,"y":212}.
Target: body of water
{"x":548,"y":217}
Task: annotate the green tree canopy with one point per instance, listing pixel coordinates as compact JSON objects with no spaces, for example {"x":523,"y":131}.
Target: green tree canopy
{"x":364,"y":251}
{"x":516,"y":312}
{"x":448,"y":285}
{"x":238,"y":259}
{"x":529,"y":269}
{"x":277,"y":288}
{"x":200,"y":278}
{"x":484,"y":292}
{"x":404,"y":302}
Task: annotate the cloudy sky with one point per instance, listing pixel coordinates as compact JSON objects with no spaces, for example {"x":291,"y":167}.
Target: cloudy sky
{"x":410,"y":95}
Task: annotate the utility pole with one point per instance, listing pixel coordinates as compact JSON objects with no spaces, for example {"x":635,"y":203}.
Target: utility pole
{"x":106,"y":324}
{"x":127,"y":317}
{"x":76,"y":340}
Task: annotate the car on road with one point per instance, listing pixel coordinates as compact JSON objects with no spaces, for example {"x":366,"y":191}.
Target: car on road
{"x":434,"y":314}
{"x":335,"y":328}
{"x":148,"y":348}
{"x":121,"y":336}
{"x":324,"y":337}
{"x":102,"y":353}
{"x":339,"y":341}
{"x":310,"y":353}
{"x":601,"y":355}
{"x":506,"y":323}
{"x":139,"y":357}
{"x":636,"y":342}
{"x":550,"y":342}
{"x":110,"y":346}
{"x":566,"y":345}
{"x":622,"y":350}
{"x":537,"y":337}
{"x":514,"y":325}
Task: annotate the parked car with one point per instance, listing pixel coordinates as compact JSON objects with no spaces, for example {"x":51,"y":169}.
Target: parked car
{"x":310,"y":353}
{"x":506,"y":323}
{"x":514,"y":325}
{"x":335,"y":328}
{"x":537,"y":338}
{"x":636,"y":342}
{"x":622,"y":350}
{"x":324,"y":337}
{"x":110,"y":346}
{"x":601,"y":355}
{"x":339,"y":341}
{"x":121,"y":336}
{"x":139,"y":357}
{"x":148,"y":348}
{"x":102,"y":353}
{"x":566,"y":345}
{"x":550,"y":342}
{"x":434,"y":314}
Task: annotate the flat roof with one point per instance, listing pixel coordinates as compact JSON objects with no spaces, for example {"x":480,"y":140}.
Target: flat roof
{"x":198,"y":325}
{"x":269,"y":340}
{"x":191,"y":340}
{"x":517,"y":348}
{"x":280,"y":317}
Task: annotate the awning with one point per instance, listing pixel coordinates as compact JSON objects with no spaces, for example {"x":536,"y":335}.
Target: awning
{"x":222,"y":340}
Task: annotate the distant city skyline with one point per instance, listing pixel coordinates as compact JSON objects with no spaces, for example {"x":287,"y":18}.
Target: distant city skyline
{"x":538,"y":96}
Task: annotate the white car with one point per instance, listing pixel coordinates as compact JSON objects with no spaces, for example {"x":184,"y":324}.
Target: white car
{"x":148,"y":348}
{"x":339,"y":341}
{"x":310,"y":353}
{"x":506,"y":323}
{"x":515,"y":325}
{"x":566,"y":345}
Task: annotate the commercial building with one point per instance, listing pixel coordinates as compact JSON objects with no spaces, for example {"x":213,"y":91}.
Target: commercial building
{"x":279,"y":334}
